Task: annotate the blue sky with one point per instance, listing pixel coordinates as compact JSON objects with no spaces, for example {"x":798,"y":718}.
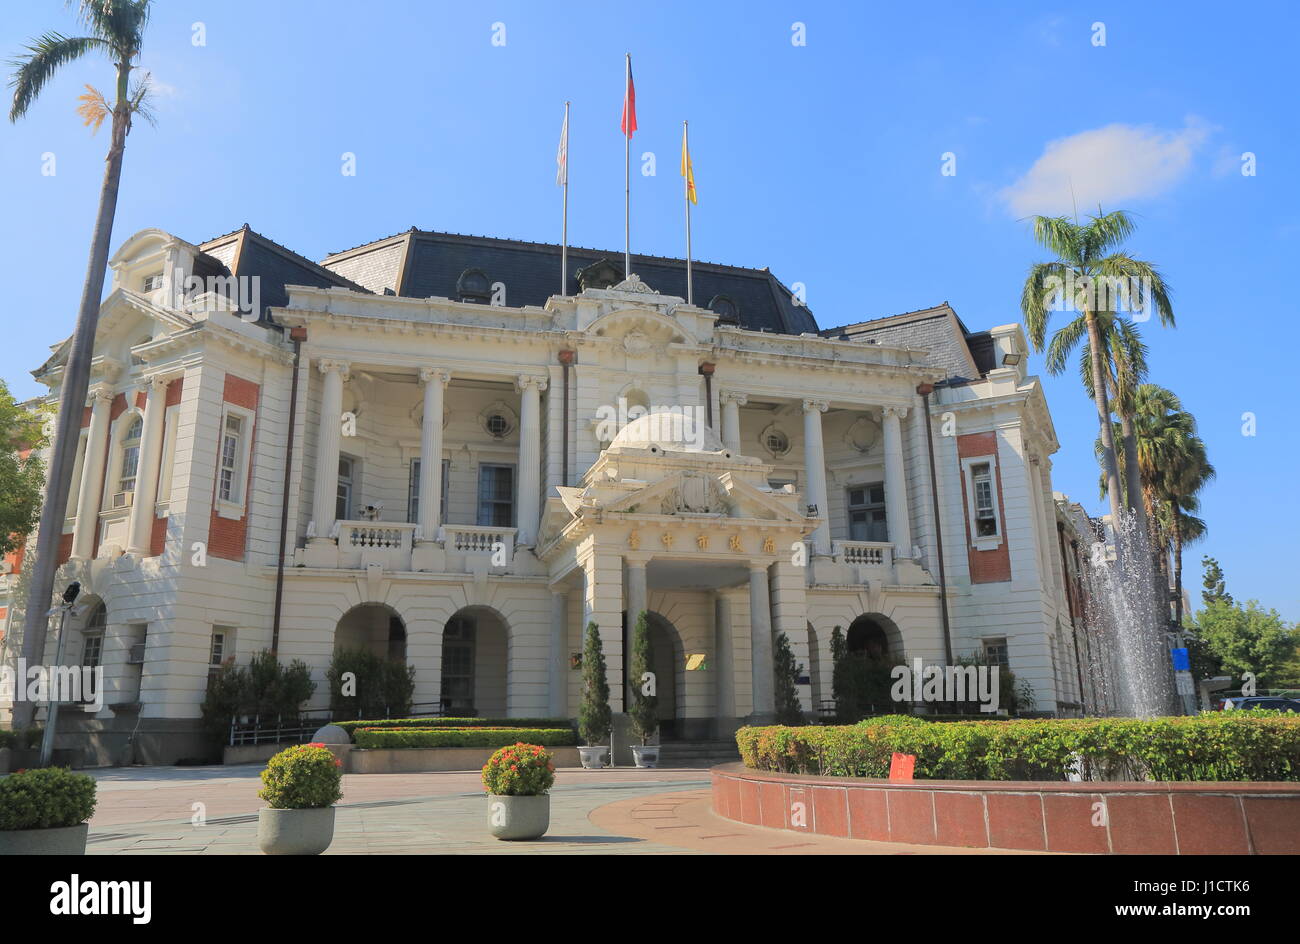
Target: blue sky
{"x":822,"y":161}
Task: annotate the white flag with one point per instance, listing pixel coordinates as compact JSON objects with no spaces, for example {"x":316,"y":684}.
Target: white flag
{"x":562,"y":155}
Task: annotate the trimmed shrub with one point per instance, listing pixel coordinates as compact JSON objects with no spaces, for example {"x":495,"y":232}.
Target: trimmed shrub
{"x":22,"y":739}
{"x":461,"y":737}
{"x":434,"y":723}
{"x":519,"y":770}
{"x":1216,"y":746}
{"x":303,"y":777}
{"x":644,"y":711}
{"x":383,"y":687}
{"x":265,"y":688}
{"x":594,"y":717}
{"x":47,"y":798}
{"x":785,"y":671}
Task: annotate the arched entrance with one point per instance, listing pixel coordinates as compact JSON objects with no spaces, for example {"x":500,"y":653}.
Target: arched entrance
{"x":863,"y":678}
{"x":667,"y":662}
{"x":475,"y":652}
{"x":375,"y":628}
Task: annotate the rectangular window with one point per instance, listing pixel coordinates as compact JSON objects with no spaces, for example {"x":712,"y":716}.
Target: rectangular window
{"x":92,"y":649}
{"x":153,"y":282}
{"x":413,"y":492}
{"x":866,"y":504}
{"x":217,"y":654}
{"x":995,"y":651}
{"x":232,"y":455}
{"x":496,"y":496}
{"x":343,"y":503}
{"x":986,"y":518}
{"x":458,"y":668}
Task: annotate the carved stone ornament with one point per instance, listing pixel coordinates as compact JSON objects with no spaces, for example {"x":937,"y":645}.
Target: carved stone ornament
{"x":696,"y":493}
{"x":633,"y":283}
{"x":862,"y":434}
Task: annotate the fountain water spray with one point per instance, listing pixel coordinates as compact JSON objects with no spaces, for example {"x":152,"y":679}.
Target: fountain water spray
{"x":1128,"y":650}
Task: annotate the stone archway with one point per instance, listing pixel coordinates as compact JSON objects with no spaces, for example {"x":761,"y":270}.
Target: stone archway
{"x":874,"y":645}
{"x":375,"y":628}
{"x":475,"y":656}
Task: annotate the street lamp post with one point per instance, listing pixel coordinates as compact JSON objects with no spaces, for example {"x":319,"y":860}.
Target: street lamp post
{"x":52,"y":703}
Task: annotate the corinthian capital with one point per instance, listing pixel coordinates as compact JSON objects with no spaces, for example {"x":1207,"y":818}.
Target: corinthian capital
{"x":819,"y":406}
{"x":327,"y":364}
{"x":429,"y":374}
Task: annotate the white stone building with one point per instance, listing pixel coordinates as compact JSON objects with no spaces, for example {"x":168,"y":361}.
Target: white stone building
{"x":780,"y":483}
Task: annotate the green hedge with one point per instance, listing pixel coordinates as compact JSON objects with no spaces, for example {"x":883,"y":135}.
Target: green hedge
{"x":1232,"y":745}
{"x":465,"y":737}
{"x":426,"y":724}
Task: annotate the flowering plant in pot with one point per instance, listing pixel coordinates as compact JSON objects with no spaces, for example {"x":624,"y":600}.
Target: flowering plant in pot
{"x":44,"y":812}
{"x":301,"y":786}
{"x":644,"y":711}
{"x":595,"y":720}
{"x":518,"y":780}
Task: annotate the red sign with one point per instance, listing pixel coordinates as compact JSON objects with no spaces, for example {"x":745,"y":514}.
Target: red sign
{"x":901,"y":766}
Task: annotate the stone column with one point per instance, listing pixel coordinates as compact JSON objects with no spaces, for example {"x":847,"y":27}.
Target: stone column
{"x":725,"y":665}
{"x":731,"y":404}
{"x":146,"y":476}
{"x":530,"y":457}
{"x":602,"y":586}
{"x":327,"y":449}
{"x":636,"y":589}
{"x":814,"y":457}
{"x":92,"y":474}
{"x":789,"y":608}
{"x":899,"y":520}
{"x":760,"y":645}
{"x":557,"y":677}
{"x":435,"y":384}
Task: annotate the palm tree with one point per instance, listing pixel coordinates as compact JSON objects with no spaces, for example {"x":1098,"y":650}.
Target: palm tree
{"x":114,"y":28}
{"x":1088,"y":257}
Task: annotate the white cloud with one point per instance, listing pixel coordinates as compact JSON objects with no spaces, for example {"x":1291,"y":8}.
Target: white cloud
{"x":1107,"y":166}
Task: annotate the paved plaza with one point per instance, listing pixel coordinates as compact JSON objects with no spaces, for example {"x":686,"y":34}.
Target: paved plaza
{"x":213,"y":811}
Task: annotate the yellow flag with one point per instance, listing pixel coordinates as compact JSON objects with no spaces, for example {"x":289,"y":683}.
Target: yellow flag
{"x":687,"y":170}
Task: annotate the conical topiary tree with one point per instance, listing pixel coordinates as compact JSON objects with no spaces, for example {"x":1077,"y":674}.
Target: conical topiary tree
{"x":645,"y":707}
{"x":594,"y":719}
{"x":786,"y":670}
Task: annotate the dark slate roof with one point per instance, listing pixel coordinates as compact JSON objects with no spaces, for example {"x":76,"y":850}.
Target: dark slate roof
{"x":936,"y":330}
{"x":424,"y":264}
{"x":275,"y":265}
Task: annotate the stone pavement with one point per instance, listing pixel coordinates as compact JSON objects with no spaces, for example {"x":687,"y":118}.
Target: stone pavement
{"x":213,"y":811}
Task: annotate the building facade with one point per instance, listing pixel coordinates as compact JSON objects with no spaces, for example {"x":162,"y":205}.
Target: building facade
{"x":469,"y":466}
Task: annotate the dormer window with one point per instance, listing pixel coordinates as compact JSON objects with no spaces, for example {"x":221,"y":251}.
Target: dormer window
{"x":473,"y":286}
{"x":153,"y":283}
{"x":725,"y":308}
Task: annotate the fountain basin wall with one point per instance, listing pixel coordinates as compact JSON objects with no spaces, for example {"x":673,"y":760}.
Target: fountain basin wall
{"x":1160,"y":818}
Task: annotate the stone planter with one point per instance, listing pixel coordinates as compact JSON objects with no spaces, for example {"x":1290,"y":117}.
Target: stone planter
{"x":61,"y":840}
{"x":646,"y":755}
{"x":593,"y":757}
{"x":519,"y":817}
{"x":295,"y":832}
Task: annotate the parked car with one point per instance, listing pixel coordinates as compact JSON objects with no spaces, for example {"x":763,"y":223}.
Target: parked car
{"x":1269,"y":703}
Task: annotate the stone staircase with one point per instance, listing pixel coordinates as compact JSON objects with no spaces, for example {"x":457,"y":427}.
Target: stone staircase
{"x":702,"y":754}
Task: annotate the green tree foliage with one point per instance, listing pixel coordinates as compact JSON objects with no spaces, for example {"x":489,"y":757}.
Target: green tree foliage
{"x":379,"y":687}
{"x":644,"y":710}
{"x":594,"y":716}
{"x":1215,"y":586}
{"x":1245,"y":638}
{"x":786,"y":671}
{"x":22,"y":473}
{"x":265,"y":688}
{"x":860,"y":682}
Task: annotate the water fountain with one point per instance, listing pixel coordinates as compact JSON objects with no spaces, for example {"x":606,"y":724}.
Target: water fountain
{"x":1128,"y":654}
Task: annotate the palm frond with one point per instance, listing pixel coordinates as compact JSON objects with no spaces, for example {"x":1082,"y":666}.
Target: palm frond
{"x":1057,"y":234}
{"x":1064,"y":341}
{"x":43,"y":58}
{"x":1040,"y":294}
{"x":1146,"y":288}
{"x":119,"y":22}
{"x":1104,"y":231}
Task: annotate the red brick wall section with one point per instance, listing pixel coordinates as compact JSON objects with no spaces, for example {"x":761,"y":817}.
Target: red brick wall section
{"x":1170,"y":818}
{"x":227,"y":537}
{"x":158,"y":535}
{"x":992,"y":566}
{"x":117,"y":408}
{"x":65,"y":550}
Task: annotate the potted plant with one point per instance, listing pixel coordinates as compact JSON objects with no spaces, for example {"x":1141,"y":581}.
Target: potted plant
{"x":44,"y":812}
{"x":301,"y":784}
{"x":517,"y":780}
{"x":644,"y":711}
{"x":594,"y":718}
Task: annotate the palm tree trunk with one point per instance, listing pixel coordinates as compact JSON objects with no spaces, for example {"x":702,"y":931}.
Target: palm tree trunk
{"x":1110,"y":466}
{"x":72,"y":399}
{"x":1132,"y":473}
{"x":1178,"y":566}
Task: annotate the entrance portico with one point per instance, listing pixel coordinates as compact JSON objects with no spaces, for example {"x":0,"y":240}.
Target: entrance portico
{"x":668,"y":518}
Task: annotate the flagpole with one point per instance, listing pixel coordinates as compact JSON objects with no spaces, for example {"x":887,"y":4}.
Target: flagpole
{"x":564,"y":224}
{"x":627,"y":176}
{"x":686,"y":198}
